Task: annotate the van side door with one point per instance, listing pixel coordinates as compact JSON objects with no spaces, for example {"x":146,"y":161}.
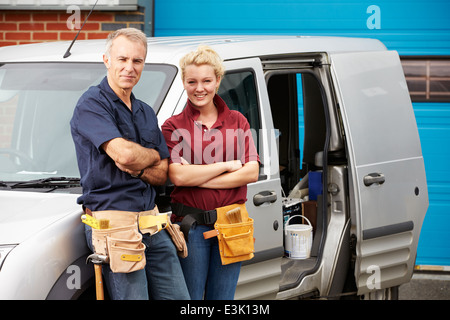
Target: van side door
{"x":244,"y":89}
{"x":388,"y":190}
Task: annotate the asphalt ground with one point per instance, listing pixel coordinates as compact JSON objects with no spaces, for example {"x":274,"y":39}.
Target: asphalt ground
{"x":426,"y":285}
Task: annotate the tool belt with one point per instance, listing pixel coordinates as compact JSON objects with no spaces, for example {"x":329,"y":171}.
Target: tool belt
{"x":121,"y":241}
{"x":193,"y":215}
{"x":232,"y":226}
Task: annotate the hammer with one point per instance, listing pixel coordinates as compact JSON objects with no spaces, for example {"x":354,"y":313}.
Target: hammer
{"x":97,"y":260}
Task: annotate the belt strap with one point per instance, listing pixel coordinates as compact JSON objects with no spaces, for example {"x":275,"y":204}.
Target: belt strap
{"x":148,"y":221}
{"x":210,"y":234}
{"x":160,"y":221}
{"x":192,"y":215}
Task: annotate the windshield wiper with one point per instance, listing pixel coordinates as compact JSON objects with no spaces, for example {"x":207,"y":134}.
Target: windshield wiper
{"x":53,"y":182}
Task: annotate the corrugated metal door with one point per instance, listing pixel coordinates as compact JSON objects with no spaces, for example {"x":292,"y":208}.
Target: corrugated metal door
{"x":433,"y":121}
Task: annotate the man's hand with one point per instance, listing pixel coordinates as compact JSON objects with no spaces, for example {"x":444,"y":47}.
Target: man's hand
{"x":131,"y":158}
{"x":156,"y":175}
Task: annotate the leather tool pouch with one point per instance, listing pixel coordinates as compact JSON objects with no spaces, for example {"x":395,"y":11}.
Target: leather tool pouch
{"x":121,"y":242}
{"x":159,"y":222}
{"x":236,"y":242}
{"x":178,"y":239}
{"x":126,"y":255}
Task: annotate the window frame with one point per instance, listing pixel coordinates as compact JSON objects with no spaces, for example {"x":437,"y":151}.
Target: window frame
{"x":427,"y":78}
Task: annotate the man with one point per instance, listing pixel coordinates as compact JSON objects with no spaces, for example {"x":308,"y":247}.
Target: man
{"x":121,"y":155}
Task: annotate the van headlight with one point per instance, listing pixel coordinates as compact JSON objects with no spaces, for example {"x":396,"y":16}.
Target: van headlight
{"x":4,"y":250}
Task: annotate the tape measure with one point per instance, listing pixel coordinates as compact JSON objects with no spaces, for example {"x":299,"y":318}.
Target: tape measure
{"x":95,"y":223}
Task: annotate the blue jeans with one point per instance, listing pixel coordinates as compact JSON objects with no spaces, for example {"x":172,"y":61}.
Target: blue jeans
{"x":161,"y":279}
{"x":205,"y":275}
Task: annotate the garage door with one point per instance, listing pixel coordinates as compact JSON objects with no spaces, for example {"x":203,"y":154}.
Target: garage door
{"x":433,"y":121}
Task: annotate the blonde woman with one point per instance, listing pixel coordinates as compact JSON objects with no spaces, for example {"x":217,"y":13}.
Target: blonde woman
{"x":213,"y":158}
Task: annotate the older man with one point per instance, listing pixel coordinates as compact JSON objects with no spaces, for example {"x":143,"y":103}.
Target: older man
{"x":121,"y":156}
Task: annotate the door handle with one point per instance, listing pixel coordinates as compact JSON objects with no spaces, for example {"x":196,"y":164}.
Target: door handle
{"x":372,"y":178}
{"x":263,"y":197}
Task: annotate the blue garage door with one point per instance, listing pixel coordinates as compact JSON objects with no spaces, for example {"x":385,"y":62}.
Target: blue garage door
{"x":416,"y":28}
{"x":433,"y":120}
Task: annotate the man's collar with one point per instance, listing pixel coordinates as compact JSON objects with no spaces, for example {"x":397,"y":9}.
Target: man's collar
{"x":104,"y":85}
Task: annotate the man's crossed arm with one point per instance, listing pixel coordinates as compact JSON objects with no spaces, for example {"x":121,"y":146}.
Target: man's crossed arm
{"x":131,"y":157}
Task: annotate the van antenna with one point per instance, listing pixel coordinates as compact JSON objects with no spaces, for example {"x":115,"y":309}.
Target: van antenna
{"x":67,"y":54}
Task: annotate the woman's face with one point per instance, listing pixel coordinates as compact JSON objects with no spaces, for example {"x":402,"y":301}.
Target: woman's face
{"x":200,"y":83}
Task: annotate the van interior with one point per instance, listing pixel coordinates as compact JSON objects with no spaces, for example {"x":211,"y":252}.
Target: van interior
{"x":298,"y":113}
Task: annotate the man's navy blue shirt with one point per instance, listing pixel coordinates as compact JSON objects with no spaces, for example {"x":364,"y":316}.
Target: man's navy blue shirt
{"x":100,"y":115}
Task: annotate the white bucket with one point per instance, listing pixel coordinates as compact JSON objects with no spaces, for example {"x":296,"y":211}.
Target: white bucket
{"x":298,"y":239}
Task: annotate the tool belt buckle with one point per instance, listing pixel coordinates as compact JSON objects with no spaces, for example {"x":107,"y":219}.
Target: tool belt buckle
{"x":210,"y":216}
{"x":153,"y":223}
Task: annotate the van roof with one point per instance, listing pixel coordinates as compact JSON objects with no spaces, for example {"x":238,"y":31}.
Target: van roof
{"x":170,"y":49}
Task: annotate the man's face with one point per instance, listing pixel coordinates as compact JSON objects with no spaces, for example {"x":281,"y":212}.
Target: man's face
{"x":125,"y":63}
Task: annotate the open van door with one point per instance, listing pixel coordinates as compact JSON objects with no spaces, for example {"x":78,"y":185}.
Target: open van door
{"x":388,"y":190}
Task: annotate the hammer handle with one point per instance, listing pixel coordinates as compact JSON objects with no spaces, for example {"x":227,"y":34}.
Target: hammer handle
{"x":99,"y":281}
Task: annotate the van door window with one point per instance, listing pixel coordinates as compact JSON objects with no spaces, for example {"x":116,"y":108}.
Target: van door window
{"x":239,"y":92}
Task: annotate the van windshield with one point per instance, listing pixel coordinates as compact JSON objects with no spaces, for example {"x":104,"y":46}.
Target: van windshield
{"x":36,"y":104}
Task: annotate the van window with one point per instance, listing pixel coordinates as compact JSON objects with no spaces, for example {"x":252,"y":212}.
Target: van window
{"x":238,"y":90}
{"x":36,"y":104}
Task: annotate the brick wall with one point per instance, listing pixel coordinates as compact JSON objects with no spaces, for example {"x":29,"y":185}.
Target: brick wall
{"x":22,"y":27}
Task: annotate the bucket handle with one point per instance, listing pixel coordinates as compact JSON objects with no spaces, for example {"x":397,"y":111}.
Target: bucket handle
{"x":298,"y":215}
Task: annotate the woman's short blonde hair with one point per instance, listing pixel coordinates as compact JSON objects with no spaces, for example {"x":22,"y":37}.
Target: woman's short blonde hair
{"x":203,"y":55}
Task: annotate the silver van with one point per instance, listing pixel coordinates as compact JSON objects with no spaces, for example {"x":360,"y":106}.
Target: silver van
{"x":335,"y":131}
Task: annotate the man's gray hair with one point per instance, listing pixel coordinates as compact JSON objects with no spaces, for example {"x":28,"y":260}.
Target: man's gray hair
{"x":131,"y":34}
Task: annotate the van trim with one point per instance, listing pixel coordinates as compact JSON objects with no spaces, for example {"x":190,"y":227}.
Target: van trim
{"x":388,"y":230}
{"x":265,"y":255}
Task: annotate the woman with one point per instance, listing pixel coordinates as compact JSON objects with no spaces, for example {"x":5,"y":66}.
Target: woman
{"x":213,"y":158}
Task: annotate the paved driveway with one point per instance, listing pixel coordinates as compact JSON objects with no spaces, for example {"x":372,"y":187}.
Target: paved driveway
{"x":426,"y":286}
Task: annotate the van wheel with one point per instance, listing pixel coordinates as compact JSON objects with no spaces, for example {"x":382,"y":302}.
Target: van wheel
{"x":382,"y":294}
